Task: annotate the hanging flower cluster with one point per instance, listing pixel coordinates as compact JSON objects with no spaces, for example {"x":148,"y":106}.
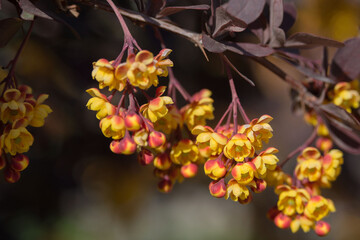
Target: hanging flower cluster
{"x":229,"y":152}
{"x":157,"y":130}
{"x":19,"y":109}
{"x":300,"y":204}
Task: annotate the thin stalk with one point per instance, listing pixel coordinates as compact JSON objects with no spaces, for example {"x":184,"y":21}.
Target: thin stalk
{"x":224,"y":116}
{"x":300,"y":148}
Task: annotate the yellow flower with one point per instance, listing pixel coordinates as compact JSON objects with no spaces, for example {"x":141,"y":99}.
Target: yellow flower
{"x":16,"y":138}
{"x":185,"y":151}
{"x":99,"y":103}
{"x":39,"y":112}
{"x":318,"y":207}
{"x":258,"y":131}
{"x":244,"y":172}
{"x":206,"y":137}
{"x":169,"y":122}
{"x":162,"y":62}
{"x":309,"y":165}
{"x":199,"y":110}
{"x":12,"y":105}
{"x":331,"y":166}
{"x":236,"y":191}
{"x":303,"y":222}
{"x":215,"y":168}
{"x":113,"y":126}
{"x":104,"y":73}
{"x":239,"y":147}
{"x":156,"y":108}
{"x":266,"y":160}
{"x":277,"y":177}
{"x":291,"y":200}
{"x":345,"y":96}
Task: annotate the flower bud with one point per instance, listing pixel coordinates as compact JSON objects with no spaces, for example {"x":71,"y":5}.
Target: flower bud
{"x":322,"y":228}
{"x":165,"y":185}
{"x":11,"y":175}
{"x":260,"y":186}
{"x":156,"y":139}
{"x":282,"y":221}
{"x":133,"y":121}
{"x":145,"y":157}
{"x":189,"y":170}
{"x":217,"y":188}
{"x":246,"y":200}
{"x":162,"y":161}
{"x":215,"y":168}
{"x":324,"y":144}
{"x":19,"y":162}
{"x":125,"y":146}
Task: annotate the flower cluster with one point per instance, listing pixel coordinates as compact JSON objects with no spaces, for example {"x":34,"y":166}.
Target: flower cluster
{"x":157,"y":130}
{"x":19,"y":110}
{"x":232,"y":150}
{"x":346,"y":95}
{"x":302,"y":205}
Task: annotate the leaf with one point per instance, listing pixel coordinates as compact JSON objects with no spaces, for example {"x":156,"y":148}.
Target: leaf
{"x":8,"y":28}
{"x":171,"y":10}
{"x":308,"y":72}
{"x":277,"y":35}
{"x":245,"y":10}
{"x":249,"y":49}
{"x":346,"y":62}
{"x":306,"y":40}
{"x":30,"y":10}
{"x":343,"y":127}
{"x":154,"y":6}
{"x":225,"y":22}
{"x":212,"y":45}
{"x":260,"y":28}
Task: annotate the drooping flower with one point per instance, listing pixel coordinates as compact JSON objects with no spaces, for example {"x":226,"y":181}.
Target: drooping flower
{"x":258,"y":131}
{"x":346,"y":97}
{"x":244,"y":172}
{"x":39,"y":112}
{"x":156,"y":108}
{"x":113,"y":126}
{"x":12,"y":105}
{"x":162,"y":63}
{"x":236,"y":191}
{"x":301,"y":221}
{"x":99,"y":103}
{"x":291,"y":200}
{"x":266,"y":160}
{"x":318,"y":207}
{"x":103,"y":72}
{"x":184,"y":151}
{"x":309,"y":165}
{"x":170,"y":121}
{"x":215,"y":168}
{"x":238,"y":148}
{"x":206,"y":137}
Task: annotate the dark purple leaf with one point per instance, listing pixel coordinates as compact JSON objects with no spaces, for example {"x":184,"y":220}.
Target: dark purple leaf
{"x":225,"y":22}
{"x":245,"y":10}
{"x":346,"y":62}
{"x":277,"y":35}
{"x":171,"y":10}
{"x":154,"y":6}
{"x":212,"y":45}
{"x":309,"y":73}
{"x":249,"y":49}
{"x":260,"y":28}
{"x":306,"y":40}
{"x":335,"y":112}
{"x":8,"y":28}
{"x":289,"y":16}
{"x":29,"y":9}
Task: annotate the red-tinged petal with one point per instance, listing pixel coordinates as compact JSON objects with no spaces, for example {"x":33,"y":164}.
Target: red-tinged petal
{"x":133,"y":121}
{"x":265,"y":119}
{"x":160,"y":91}
{"x":163,"y":54}
{"x":19,"y":162}
{"x":125,"y":146}
{"x":156,"y":139}
{"x":144,"y":57}
{"x":260,"y":186}
{"x":247,"y":200}
{"x":94,"y":92}
{"x":145,"y":157}
{"x":11,"y":175}
{"x":121,"y":71}
{"x":162,"y":161}
{"x":189,"y":170}
{"x":218,"y":188}
{"x":282,"y":221}
{"x":322,"y":228}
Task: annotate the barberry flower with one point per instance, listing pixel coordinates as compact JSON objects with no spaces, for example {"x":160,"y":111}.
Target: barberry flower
{"x":113,"y":126}
{"x":322,"y":228}
{"x":16,"y":138}
{"x":291,"y":200}
{"x":184,"y":151}
{"x":303,"y":222}
{"x":277,"y":177}
{"x":236,"y":191}
{"x":309,"y":165}
{"x":266,"y":160}
{"x":318,"y":207}
{"x":12,"y":105}
{"x":258,"y":131}
{"x":99,"y":103}
{"x":170,"y":121}
{"x":218,"y":188}
{"x":215,"y":168}
{"x":162,"y":161}
{"x":162,"y":63}
{"x":189,"y":170}
{"x":239,"y":147}
{"x":39,"y":111}
{"x":103,"y":72}
{"x":206,"y":137}
{"x":19,"y":162}
{"x":133,"y":121}
{"x":156,"y":108}
{"x":125,"y":146}
{"x":156,"y":139}
{"x":282,"y":221}
{"x":199,"y":110}
{"x":244,"y":172}
{"x":145,"y":157}
{"x":346,"y":97}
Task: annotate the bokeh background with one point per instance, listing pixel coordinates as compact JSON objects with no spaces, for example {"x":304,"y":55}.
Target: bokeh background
{"x":75,"y":188}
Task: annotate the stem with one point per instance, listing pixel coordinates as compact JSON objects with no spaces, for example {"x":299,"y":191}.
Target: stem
{"x":223,"y":117}
{"x":300,"y":148}
{"x":234,"y":97}
{"x":178,"y":86}
{"x":242,"y":111}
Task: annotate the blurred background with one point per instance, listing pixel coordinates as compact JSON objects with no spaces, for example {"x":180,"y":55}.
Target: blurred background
{"x":75,"y":188}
